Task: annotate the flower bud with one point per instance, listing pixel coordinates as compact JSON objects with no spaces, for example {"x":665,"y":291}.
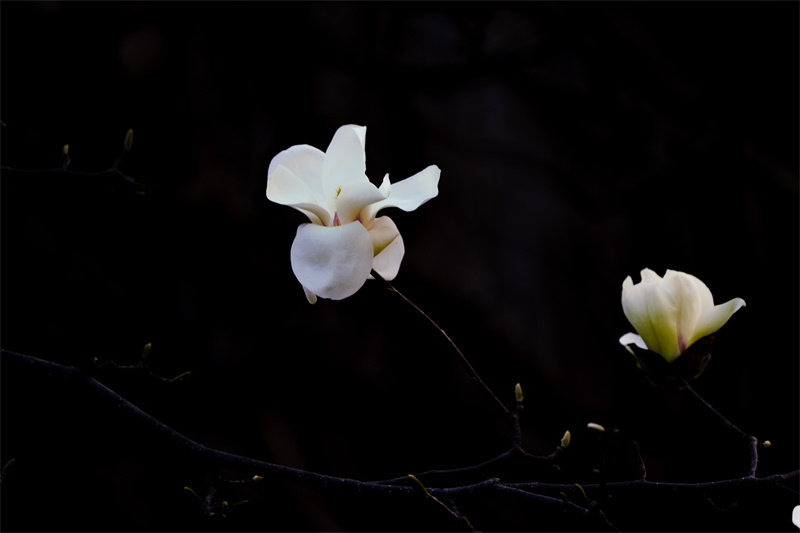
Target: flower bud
{"x":518,"y":392}
{"x":565,"y":439}
{"x":671,"y":313}
{"x":596,"y":427}
{"x":418,"y":486}
{"x":129,"y":140}
{"x":181,"y":377}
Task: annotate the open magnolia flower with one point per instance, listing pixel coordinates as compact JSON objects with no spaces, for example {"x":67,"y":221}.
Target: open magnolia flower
{"x":333,"y":255}
{"x":671,"y":313}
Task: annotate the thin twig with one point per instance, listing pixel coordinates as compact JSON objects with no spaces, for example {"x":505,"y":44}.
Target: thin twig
{"x":110,"y":172}
{"x":620,"y":487}
{"x":533,"y":492}
{"x":473,"y":373}
{"x":202,"y":453}
{"x":752,"y":442}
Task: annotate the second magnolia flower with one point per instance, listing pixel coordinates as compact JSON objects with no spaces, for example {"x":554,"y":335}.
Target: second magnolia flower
{"x":333,"y":254}
{"x":671,"y":313}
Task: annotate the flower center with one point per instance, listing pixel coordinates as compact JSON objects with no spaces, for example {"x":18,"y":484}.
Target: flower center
{"x":681,"y":343}
{"x":336,"y":221}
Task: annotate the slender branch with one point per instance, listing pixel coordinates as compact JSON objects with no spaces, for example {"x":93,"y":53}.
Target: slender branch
{"x":708,"y":406}
{"x":204,"y":454}
{"x":639,"y":461}
{"x":563,"y":502}
{"x":478,"y":469}
{"x":619,"y":487}
{"x":752,"y":442}
{"x":112,"y":172}
{"x":472,"y":372}
{"x":533,"y":492}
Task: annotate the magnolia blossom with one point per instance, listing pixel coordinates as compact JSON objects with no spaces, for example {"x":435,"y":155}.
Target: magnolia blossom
{"x":671,"y":313}
{"x":333,"y":254}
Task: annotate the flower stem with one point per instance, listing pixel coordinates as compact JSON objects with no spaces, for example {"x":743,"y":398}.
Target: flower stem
{"x":473,"y":374}
{"x":752,"y":442}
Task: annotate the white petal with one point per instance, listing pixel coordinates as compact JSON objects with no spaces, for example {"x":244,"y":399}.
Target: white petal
{"x":651,"y":312}
{"x":388,"y":247}
{"x":684,"y":291}
{"x":634,"y":305}
{"x":287,"y":188}
{"x":345,"y":160}
{"x":632,"y":338}
{"x":713,"y":319}
{"x":409,"y":193}
{"x":354,"y":197}
{"x":332,"y":262}
{"x":382,"y":231}
{"x":386,"y":186}
{"x":648,"y":276}
{"x":706,"y":298}
{"x":305,"y":162}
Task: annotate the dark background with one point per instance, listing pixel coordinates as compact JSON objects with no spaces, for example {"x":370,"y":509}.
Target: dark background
{"x":579,"y":143}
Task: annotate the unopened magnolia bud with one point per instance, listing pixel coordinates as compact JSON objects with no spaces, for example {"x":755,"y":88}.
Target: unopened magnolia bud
{"x":129,"y":140}
{"x":566,"y":438}
{"x":419,"y":486}
{"x":257,"y":478}
{"x":8,"y":466}
{"x":181,"y":377}
{"x":65,"y":149}
{"x":597,"y":427}
{"x":518,"y":392}
{"x":146,"y":351}
{"x":766,"y":444}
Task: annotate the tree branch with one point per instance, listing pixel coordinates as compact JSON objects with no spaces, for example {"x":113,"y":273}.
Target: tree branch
{"x":546,"y":494}
{"x":752,"y":442}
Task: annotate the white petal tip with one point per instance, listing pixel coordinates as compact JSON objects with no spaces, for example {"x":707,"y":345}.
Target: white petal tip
{"x":632,"y":338}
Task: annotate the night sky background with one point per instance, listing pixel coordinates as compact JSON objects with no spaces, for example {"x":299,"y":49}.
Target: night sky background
{"x":578,"y":142}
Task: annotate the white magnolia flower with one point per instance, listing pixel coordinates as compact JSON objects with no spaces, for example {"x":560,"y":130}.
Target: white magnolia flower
{"x":332,"y":256}
{"x":671,"y":313}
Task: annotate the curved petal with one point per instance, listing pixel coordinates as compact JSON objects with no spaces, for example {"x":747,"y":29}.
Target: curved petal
{"x":354,"y":197}
{"x":684,"y":291}
{"x":345,"y":160}
{"x":713,"y":319}
{"x":409,"y":193}
{"x":634,"y":305}
{"x":632,"y":338}
{"x":386,"y":186}
{"x":388,"y":247}
{"x":286,"y":188}
{"x":706,"y":298}
{"x":382,"y":232}
{"x":651,"y":312}
{"x":649,"y":276}
{"x":305,"y":162}
{"x":332,"y":262}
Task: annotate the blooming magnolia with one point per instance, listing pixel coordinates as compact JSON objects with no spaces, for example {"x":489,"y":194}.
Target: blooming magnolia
{"x":671,"y":313}
{"x":333,"y":254}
